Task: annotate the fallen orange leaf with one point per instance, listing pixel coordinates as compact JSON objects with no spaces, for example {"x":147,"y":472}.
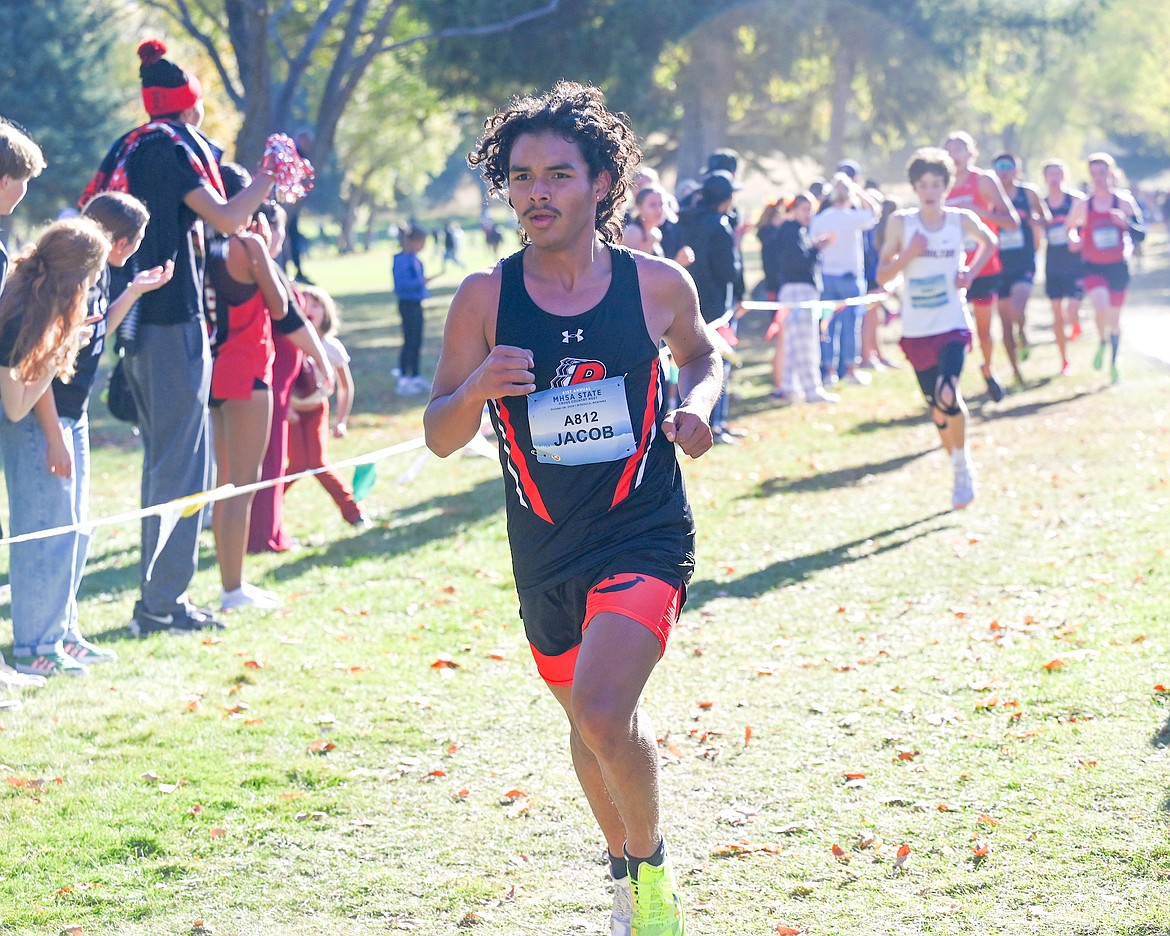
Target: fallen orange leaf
{"x":903,"y":854}
{"x":747,"y":735}
{"x":1086,"y":763}
{"x":254,"y":664}
{"x":321,"y":746}
{"x":943,"y":807}
{"x":1054,"y":665}
{"x":986,"y":819}
{"x":218,"y":832}
{"x":854,"y":776}
{"x":840,"y":854}
{"x":787,"y":930}
{"x":704,"y":704}
{"x":908,"y":755}
{"x":981,"y":848}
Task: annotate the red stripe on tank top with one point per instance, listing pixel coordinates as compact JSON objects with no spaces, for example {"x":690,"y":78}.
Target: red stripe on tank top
{"x":527,"y":485}
{"x":625,"y":483}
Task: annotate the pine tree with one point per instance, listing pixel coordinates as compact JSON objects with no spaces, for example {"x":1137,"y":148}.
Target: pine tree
{"x":61,"y":80}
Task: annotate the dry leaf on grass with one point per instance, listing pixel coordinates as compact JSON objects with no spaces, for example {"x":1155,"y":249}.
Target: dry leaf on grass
{"x":903,"y":854}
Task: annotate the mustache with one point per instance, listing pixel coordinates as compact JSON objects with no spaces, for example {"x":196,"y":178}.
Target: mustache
{"x":542,"y":209}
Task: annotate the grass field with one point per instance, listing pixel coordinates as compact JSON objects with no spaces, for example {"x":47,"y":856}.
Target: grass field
{"x":858,"y":669}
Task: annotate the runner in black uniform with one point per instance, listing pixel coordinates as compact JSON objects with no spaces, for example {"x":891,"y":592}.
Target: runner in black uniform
{"x":561,"y":340}
{"x":1017,"y":254}
{"x":1062,"y":267}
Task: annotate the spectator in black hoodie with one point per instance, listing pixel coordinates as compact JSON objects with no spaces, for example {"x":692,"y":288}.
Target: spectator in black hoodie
{"x":708,"y":231}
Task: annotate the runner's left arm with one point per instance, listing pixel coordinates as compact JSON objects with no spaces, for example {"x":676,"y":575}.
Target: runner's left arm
{"x":700,"y":368}
{"x":1001,"y":213}
{"x":975,"y":229}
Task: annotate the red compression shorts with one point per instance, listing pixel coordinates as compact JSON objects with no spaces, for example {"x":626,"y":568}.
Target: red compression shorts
{"x":643,"y":598}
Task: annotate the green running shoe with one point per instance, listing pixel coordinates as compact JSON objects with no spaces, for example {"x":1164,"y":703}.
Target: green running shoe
{"x":1114,"y":373}
{"x":49,"y":664}
{"x":1099,"y":357}
{"x":657,"y":908}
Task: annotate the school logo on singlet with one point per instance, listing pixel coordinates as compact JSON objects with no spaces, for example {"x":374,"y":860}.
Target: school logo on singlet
{"x":573,"y":371}
{"x":578,"y":335}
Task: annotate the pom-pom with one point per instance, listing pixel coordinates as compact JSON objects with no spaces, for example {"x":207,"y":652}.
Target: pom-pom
{"x":294,"y":174}
{"x":151,"y":51}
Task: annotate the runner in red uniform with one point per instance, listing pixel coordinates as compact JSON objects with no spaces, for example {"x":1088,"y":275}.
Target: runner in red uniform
{"x":1105,"y":226}
{"x":561,"y":341}
{"x":980,"y":191}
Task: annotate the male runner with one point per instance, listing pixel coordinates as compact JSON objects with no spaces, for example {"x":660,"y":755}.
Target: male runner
{"x":1104,"y":225}
{"x":926,"y":245}
{"x":1017,"y":255}
{"x":1062,"y":267}
{"x":561,"y":341}
{"x":979,"y":190}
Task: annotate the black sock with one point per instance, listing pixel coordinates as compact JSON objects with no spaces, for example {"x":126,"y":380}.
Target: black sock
{"x":656,"y":859}
{"x":618,"y":866}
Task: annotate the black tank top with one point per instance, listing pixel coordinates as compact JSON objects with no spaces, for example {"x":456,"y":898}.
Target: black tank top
{"x":566,"y":518}
{"x":1022,"y":240}
{"x":221,"y":291}
{"x":1058,"y":256}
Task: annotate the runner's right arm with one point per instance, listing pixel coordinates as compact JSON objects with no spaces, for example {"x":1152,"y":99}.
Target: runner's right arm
{"x":894,"y":259}
{"x":472,"y":369}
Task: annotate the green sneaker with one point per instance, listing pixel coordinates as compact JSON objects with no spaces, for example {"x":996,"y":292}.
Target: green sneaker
{"x":84,"y":652}
{"x":49,"y":664}
{"x":1099,"y":357}
{"x":1114,"y":373}
{"x":657,"y":908}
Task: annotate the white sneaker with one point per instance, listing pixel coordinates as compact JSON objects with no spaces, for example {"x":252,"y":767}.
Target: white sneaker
{"x":11,"y":679}
{"x":248,"y":596}
{"x":860,"y":378}
{"x":421,"y":384}
{"x":14,"y":705}
{"x":822,"y":396}
{"x":405,"y":386}
{"x":964,"y":491}
{"x":623,"y":909}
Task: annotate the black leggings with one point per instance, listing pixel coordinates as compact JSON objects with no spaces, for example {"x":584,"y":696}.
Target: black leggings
{"x":412,"y":334}
{"x":951,"y":358}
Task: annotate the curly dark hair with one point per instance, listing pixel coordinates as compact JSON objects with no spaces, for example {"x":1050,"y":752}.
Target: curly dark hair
{"x":579,"y":114}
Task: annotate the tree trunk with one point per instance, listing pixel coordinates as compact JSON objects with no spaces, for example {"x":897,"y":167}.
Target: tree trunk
{"x":844,"y":69}
{"x":705,"y":86}
{"x":842,"y":20}
{"x":248,"y":31}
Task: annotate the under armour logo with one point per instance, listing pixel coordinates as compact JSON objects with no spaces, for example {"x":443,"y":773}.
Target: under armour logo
{"x":578,"y":335}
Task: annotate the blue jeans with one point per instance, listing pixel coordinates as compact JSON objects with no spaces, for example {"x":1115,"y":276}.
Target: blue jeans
{"x":45,"y":573}
{"x":839,"y":344}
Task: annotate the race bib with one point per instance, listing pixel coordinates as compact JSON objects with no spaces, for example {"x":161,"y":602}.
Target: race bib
{"x":1057,"y":237}
{"x":1107,"y":237}
{"x":1011,"y":240}
{"x":584,"y":424}
{"x":928,"y":292}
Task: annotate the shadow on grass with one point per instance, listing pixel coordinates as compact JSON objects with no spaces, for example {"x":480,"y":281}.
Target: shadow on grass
{"x":842,"y":477}
{"x":788,"y":572}
{"x":440,"y":518}
{"x":1028,"y":409}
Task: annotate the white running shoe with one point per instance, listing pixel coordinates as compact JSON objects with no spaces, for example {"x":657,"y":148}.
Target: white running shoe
{"x":248,"y":596}
{"x":822,"y":396}
{"x":964,"y":491}
{"x":11,"y":679}
{"x":623,"y":908}
{"x":861,"y":378}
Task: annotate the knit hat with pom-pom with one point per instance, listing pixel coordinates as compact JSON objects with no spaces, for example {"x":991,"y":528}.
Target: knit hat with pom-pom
{"x":166,"y":88}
